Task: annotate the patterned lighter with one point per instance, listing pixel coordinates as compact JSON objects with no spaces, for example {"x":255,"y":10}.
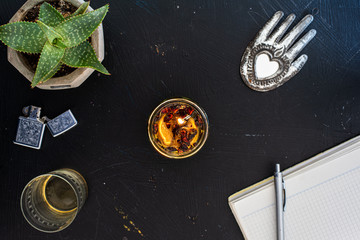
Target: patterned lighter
{"x":30,"y":129}
{"x":61,"y":123}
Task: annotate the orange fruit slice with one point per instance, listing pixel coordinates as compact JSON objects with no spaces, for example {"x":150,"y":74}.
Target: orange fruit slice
{"x":165,"y":134}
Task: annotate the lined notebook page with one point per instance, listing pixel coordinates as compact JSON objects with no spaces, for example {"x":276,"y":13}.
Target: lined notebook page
{"x":323,"y":202}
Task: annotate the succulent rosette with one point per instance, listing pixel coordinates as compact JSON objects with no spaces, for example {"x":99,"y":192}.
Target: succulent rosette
{"x":59,"y":40}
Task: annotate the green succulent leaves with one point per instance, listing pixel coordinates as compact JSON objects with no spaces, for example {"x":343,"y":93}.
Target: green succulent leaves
{"x":77,"y":29}
{"x":52,"y":36}
{"x":81,"y":10}
{"x":49,"y":62}
{"x":49,"y":15}
{"x":83,"y":56}
{"x":59,"y":40}
{"x":23,"y":36}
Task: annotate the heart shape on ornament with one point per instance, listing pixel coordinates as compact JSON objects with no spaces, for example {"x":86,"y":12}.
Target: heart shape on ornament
{"x":264,"y":67}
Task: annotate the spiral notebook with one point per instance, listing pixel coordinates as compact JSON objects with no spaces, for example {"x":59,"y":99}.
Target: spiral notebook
{"x":323,"y":199}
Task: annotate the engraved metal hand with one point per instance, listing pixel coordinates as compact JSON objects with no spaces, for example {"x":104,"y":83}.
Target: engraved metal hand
{"x":279,"y":52}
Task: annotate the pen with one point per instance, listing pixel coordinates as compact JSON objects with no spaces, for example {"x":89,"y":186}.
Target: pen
{"x":280,"y":202}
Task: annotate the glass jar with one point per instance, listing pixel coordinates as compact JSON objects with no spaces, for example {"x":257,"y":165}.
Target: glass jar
{"x":178,"y":128}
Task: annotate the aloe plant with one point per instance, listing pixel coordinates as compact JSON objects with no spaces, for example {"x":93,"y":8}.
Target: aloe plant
{"x":59,"y":40}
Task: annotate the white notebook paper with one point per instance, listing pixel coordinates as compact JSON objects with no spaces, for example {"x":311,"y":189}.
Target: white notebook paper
{"x":323,"y":199}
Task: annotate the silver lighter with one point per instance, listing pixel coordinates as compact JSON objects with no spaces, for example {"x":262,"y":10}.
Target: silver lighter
{"x":30,"y":130}
{"x":31,"y":127}
{"x":61,"y":123}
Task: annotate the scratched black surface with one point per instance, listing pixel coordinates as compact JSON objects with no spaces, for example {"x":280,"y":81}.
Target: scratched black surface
{"x":156,"y":49}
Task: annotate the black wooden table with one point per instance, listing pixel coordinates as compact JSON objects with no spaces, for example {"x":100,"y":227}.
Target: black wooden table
{"x":156,"y":49}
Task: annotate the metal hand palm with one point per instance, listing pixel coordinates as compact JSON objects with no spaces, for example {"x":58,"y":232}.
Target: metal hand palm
{"x":278,"y":49}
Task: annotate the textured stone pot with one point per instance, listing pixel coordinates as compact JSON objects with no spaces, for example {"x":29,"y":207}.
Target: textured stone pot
{"x":72,"y":80}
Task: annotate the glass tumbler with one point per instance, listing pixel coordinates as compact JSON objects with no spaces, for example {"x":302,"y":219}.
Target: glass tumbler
{"x":50,"y":202}
{"x":178,"y":128}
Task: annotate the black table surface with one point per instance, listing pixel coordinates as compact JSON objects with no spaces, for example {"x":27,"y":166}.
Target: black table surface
{"x":157,"y":49}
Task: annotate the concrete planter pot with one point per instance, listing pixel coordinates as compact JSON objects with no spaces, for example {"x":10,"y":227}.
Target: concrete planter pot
{"x":72,"y":80}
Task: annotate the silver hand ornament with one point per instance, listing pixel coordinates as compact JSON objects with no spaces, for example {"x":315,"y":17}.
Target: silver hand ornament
{"x":268,"y":61}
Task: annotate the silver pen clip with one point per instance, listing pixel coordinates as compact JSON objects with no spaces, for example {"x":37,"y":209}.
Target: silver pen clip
{"x":284,"y":192}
